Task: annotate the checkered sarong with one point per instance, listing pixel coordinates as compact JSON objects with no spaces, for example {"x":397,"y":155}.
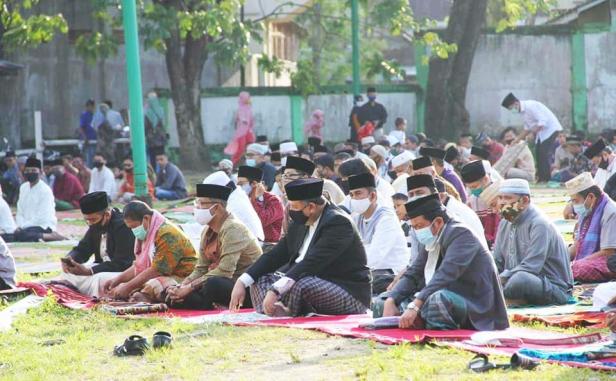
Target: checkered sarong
{"x":309,"y":295}
{"x":445,"y":310}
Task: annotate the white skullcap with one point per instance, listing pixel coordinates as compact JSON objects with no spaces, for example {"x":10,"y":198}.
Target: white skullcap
{"x":288,"y":147}
{"x":225,"y":164}
{"x":514,"y":186}
{"x":367,"y":140}
{"x":217,"y":178}
{"x":392,"y":140}
{"x":402,"y":158}
{"x":579,"y":183}
{"x":379,"y":150}
{"x":257,"y":148}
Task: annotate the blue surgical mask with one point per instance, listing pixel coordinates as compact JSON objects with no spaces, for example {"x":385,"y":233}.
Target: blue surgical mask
{"x":581,"y":210}
{"x":372,"y":98}
{"x":425,"y":236}
{"x":251,"y":162}
{"x":139,"y":232}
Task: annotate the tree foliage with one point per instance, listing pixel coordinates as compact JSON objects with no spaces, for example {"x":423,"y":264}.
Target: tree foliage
{"x":21,"y":28}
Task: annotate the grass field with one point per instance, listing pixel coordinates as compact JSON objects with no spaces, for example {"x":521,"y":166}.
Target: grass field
{"x":54,"y":343}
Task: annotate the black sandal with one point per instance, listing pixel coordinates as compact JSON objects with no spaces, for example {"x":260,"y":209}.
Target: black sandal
{"x":135,"y":345}
{"x":161,"y":339}
{"x":481,"y":364}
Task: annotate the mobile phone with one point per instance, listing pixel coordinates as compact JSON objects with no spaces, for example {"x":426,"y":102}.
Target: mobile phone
{"x":67,"y":261}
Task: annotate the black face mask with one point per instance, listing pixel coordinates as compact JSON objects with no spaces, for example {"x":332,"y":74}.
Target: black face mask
{"x":298,"y":216}
{"x":31,"y":177}
{"x":99,"y":164}
{"x":604,"y":164}
{"x":98,"y":227}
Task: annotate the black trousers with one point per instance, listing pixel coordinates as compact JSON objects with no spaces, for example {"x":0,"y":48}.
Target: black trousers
{"x":380,"y":280}
{"x":216,"y":290}
{"x":31,"y":234}
{"x":545,"y":157}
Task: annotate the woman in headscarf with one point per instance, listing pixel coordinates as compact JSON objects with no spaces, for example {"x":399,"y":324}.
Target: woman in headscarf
{"x":313,"y":126}
{"x":244,"y":129}
{"x":156,"y":136}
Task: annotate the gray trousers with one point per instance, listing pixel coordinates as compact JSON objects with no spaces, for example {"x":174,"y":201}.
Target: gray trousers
{"x":534,"y":289}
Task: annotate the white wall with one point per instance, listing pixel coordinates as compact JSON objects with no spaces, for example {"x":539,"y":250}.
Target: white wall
{"x":601,"y":80}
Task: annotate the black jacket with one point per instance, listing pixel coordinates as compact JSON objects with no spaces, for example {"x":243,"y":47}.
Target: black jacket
{"x":370,"y":112}
{"x":120,"y":246}
{"x":336,"y":254}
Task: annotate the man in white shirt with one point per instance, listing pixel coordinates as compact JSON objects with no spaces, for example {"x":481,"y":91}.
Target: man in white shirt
{"x":36,"y":214}
{"x":318,"y":267}
{"x":355,"y":167}
{"x":425,"y":185}
{"x":540,"y":121}
{"x":7,"y":267}
{"x":602,"y":157}
{"x":379,"y":229}
{"x":102,"y":179}
{"x":401,"y":165}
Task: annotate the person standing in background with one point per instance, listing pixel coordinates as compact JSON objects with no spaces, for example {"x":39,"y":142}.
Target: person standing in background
{"x":87,"y":132}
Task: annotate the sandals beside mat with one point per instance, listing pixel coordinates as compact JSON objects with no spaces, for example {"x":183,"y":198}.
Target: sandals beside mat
{"x":481,"y":364}
{"x":136,"y":345}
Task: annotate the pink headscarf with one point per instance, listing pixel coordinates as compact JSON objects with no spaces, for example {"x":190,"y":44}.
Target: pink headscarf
{"x":244,"y":133}
{"x":313,"y":126}
{"x":144,"y":250}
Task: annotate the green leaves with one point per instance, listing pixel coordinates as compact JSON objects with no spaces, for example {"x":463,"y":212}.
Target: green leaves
{"x":273,"y":65}
{"x":19,"y":31}
{"x":508,"y":13}
{"x":95,"y":46}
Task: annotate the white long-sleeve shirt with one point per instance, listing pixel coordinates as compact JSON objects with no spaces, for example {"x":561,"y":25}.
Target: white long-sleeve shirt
{"x":603,"y":175}
{"x":536,"y":114}
{"x":7,"y":223}
{"x":36,"y":206}
{"x":387,"y":248}
{"x":466,"y":215}
{"x":103,"y":181}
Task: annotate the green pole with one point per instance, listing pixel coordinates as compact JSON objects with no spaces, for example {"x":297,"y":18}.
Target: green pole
{"x":133,"y":71}
{"x":579,"y":90}
{"x":355,"y":30}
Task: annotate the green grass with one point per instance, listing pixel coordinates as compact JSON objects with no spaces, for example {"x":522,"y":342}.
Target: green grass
{"x":217,"y":352}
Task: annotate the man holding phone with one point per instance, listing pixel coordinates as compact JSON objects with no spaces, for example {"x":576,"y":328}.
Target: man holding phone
{"x":108,"y":239}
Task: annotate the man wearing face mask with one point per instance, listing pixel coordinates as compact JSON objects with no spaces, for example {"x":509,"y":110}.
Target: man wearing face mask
{"x":540,"y":121}
{"x":423,"y":166}
{"x":318,"y":267}
{"x":36,"y":216}
{"x":66,"y":188}
{"x":108,"y":239}
{"x":255,"y":157}
{"x":268,"y":207}
{"x":517,"y":161}
{"x":164,"y":256}
{"x":530,"y":253}
{"x":102,"y":177}
{"x":452,"y":284}
{"x":401,"y":165}
{"x":477,"y":180}
{"x":443,"y":169}
{"x":227,"y":249}
{"x":595,"y":237}
{"x":425,"y":185}
{"x":603,"y":157}
{"x":379,"y":229}
{"x":355,"y":167}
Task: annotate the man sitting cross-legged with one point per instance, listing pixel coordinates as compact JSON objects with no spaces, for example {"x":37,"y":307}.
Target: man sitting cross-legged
{"x":453,"y":282}
{"x":379,"y":229}
{"x":164,"y":256}
{"x":108,"y":238}
{"x":529,"y":251}
{"x":595,"y":236}
{"x":318,"y":266}
{"x":227,"y":249}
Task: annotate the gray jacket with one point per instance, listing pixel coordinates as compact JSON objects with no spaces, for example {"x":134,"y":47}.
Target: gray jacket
{"x":466,"y":268}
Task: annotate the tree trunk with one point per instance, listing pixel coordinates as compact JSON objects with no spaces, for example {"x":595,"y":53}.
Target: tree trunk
{"x":184,"y":67}
{"x":446,"y":114}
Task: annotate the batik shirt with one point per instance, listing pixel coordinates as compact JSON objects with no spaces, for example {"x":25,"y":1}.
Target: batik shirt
{"x":174,"y":255}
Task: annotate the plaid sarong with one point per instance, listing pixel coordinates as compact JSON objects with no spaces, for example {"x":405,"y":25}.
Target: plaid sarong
{"x":445,"y":310}
{"x":309,"y":295}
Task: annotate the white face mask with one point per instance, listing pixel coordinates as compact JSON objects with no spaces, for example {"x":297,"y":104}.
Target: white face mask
{"x":247,"y":188}
{"x":360,"y":206}
{"x":203,"y":216}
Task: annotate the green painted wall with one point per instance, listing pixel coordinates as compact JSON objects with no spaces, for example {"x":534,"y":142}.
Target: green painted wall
{"x":579,"y":99}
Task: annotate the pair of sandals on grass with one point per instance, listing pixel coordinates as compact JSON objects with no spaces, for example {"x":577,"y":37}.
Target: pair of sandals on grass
{"x":137,"y":345}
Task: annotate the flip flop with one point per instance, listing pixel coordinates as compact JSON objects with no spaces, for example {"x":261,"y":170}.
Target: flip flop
{"x":481,"y":364}
{"x":161,"y":339}
{"x":134,"y":345}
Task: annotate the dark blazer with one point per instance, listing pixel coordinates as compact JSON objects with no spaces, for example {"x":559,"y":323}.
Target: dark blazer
{"x":336,"y":254}
{"x":465,"y":267}
{"x":120,"y":246}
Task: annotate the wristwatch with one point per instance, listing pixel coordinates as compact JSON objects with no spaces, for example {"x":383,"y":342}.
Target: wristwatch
{"x":413,"y":307}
